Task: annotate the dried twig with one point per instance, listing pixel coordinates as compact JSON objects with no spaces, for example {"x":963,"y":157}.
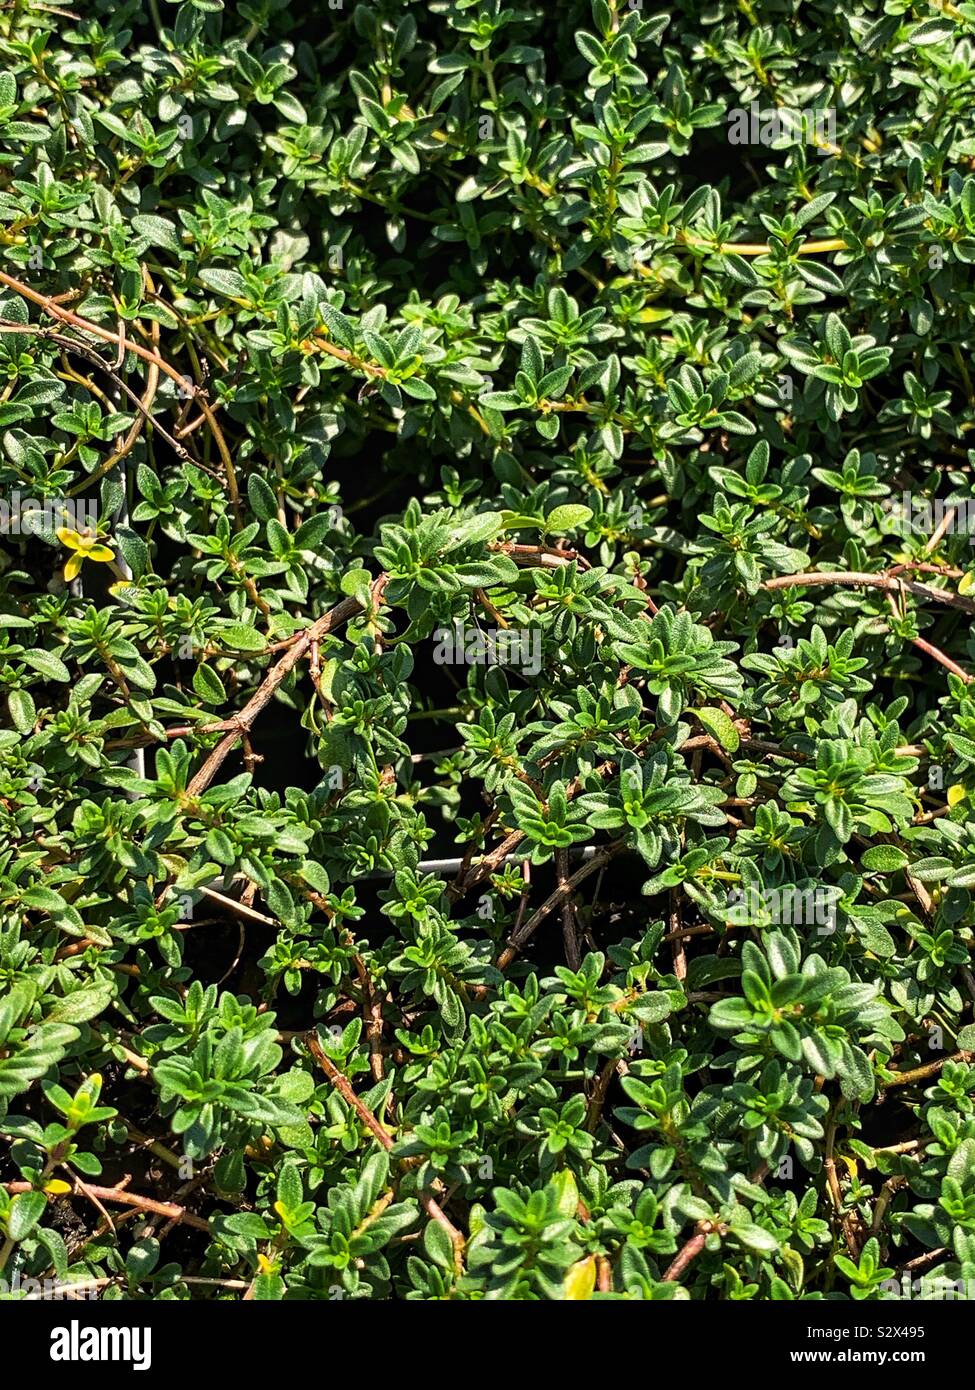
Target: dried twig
{"x":344,"y":1087}
{"x":885,"y":581}
{"x":242,"y":722}
{"x":907,"y":1078}
{"x":62,"y":315}
{"x":570,"y":937}
{"x":554,"y":900}
{"x":123,"y":1198}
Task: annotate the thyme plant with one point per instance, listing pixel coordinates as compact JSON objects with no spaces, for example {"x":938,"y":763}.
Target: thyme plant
{"x":488,"y":775}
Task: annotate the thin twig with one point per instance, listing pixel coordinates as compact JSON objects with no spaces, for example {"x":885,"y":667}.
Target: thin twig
{"x":689,"y":1251}
{"x":243,"y":721}
{"x":675,"y":936}
{"x":132,"y":1199}
{"x":386,"y":1141}
{"x":62,"y":315}
{"x":887,"y":582}
{"x":554,"y":900}
{"x":570,"y":938}
{"x":906,"y":1078}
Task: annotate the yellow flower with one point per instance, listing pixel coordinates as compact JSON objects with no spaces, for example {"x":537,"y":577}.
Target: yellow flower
{"x":85,"y":547}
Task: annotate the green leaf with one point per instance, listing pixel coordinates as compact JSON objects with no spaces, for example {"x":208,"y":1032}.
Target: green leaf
{"x":340,"y":328}
{"x":438,"y":1245}
{"x":566,"y":518}
{"x":261,"y":497}
{"x":225,"y":282}
{"x":721,"y":726}
{"x":26,"y":1210}
{"x":755,"y":1238}
{"x":931,"y":31}
{"x":51,"y":667}
{"x":22,"y":710}
{"x":239,"y":637}
{"x":158,"y":230}
{"x":884,"y":859}
{"x":208,"y":685}
{"x":82,"y":1004}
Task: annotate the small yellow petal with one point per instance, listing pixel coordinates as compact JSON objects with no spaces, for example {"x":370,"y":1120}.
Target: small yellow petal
{"x":265,"y":1265}
{"x":99,"y":552}
{"x":580,"y":1280}
{"x":966,"y":582}
{"x":73,"y":567}
{"x":69,"y":538}
{"x":57,"y":1188}
{"x":955,"y":794}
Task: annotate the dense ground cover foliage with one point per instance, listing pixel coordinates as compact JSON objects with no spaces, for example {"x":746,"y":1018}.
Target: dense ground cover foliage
{"x":487,"y":797}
